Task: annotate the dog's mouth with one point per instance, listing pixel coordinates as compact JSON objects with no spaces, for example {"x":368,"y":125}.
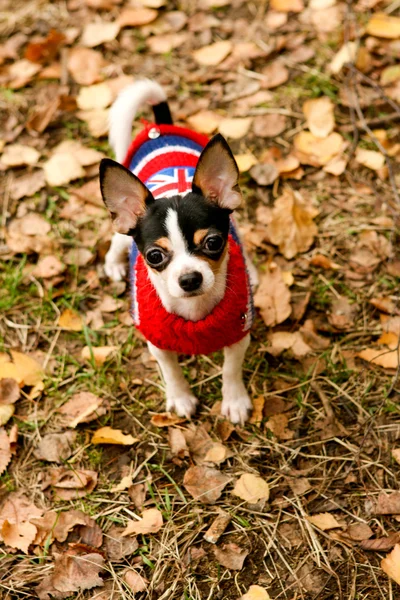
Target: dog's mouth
{"x":193,"y":294}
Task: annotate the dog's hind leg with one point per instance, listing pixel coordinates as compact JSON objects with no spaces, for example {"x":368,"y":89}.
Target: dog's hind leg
{"x":179,"y":396}
{"x":236,"y":403}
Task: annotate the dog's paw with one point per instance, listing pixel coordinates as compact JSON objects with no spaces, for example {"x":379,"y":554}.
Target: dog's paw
{"x":183,"y":404}
{"x":116,"y":271}
{"x":236,"y":404}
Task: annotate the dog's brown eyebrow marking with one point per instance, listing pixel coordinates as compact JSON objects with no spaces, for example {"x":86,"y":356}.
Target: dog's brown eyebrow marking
{"x":199,"y":236}
{"x":163,"y":242}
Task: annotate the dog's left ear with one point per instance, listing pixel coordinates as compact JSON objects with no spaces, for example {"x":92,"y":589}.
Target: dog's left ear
{"x":217,"y":174}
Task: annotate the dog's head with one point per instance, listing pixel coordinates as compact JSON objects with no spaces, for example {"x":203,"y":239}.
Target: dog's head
{"x":183,"y":238}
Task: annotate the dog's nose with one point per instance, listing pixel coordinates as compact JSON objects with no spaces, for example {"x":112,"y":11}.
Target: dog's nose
{"x":190,"y":282}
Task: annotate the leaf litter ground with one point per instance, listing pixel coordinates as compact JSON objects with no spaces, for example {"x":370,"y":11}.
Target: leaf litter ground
{"x":103,"y":495}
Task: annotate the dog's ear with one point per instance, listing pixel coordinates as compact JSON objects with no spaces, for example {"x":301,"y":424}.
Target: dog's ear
{"x":217,"y":174}
{"x":124,"y":195}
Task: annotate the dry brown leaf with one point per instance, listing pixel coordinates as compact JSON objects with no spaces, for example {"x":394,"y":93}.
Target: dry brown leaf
{"x":324,"y":521}
{"x":85,"y":65}
{"x":98,"y":33}
{"x":235,"y":128}
{"x":136,"y":17}
{"x":62,"y":168}
{"x":21,"y":72}
{"x":55,"y":447}
{"x":83,"y":407}
{"x":161,"y":44}
{"x":18,"y":535}
{"x":265,"y":173}
{"x":117,"y":546}
{"x":359,"y":532}
{"x":85,"y":156}
{"x":316,"y":151}
{"x":27,"y":185}
{"x":278,"y":424}
{"x":286,"y":6}
{"x":177,"y":442}
{"x":107,"y":435}
{"x":273,"y":297}
{"x":69,"y":320}
{"x":166,"y":419}
{"x":245,"y":161}
{"x":388,"y":504}
{"x":257,"y":414}
{"x":23,"y":368}
{"x":370,"y":158}
{"x":16,"y":155}
{"x":94,"y":97}
{"x":57,"y":525}
{"x":5,"y":450}
{"x":78,"y":257}
{"x":268,"y":126}
{"x":319,"y":116}
{"x":383,"y":544}
{"x":151,"y":522}
{"x":73,"y":572}
{"x":274,"y":75}
{"x":292,"y":227}
{"x":384,"y":26}
{"x":100,"y":353}
{"x":251,"y":488}
{"x":205,"y":483}
{"x":231,"y":556}
{"x":205,"y":121}
{"x":256,"y":592}
{"x":210,"y":56}
{"x":15,"y":529}
{"x":388,"y":359}
{"x":391,"y":563}
{"x":71,"y":484}
{"x":346,"y":54}
{"x":97,"y":121}
{"x":217,"y":453}
{"x":9,"y":390}
{"x":48,"y":266}
{"x":6,"y":412}
{"x":136,"y":582}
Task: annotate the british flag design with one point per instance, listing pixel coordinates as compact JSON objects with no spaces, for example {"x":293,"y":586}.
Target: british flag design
{"x":174,"y":180}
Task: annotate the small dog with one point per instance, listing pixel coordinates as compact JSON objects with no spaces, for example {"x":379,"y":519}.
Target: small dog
{"x":171,"y":206}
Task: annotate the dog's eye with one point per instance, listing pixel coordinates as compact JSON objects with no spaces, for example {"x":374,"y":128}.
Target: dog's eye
{"x":155,"y":257}
{"x":213,"y":243}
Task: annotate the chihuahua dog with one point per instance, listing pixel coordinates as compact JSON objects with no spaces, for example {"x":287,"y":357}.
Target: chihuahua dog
{"x":171,"y":202}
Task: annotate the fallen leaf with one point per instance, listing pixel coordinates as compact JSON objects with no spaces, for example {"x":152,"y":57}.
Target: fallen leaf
{"x":388,"y":504}
{"x":390,"y":75}
{"x":319,"y":260}
{"x":213,"y":55}
{"x":15,"y":529}
{"x":166,"y":419}
{"x":69,"y":320}
{"x":257,"y":414}
{"x":245,"y":162}
{"x":136,"y":17}
{"x":319,"y":116}
{"x":264,"y":174}
{"x":370,"y":158}
{"x":204,"y":121}
{"x":384,"y":26}
{"x":100,"y":353}
{"x":346,"y":54}
{"x":47,"y":49}
{"x":217,"y":453}
{"x":273,"y":297}
{"x":256,"y":592}
{"x":78,"y":257}
{"x":151,"y":522}
{"x":117,"y":546}
{"x":6,"y":412}
{"x":383,"y":544}
{"x":94,"y":97}
{"x":136,"y":582}
{"x":57,"y":525}
{"x":286,"y":6}
{"x":97,"y":121}
{"x":23,"y":368}
{"x":62,"y":168}
{"x":16,"y":155}
{"x":9,"y":390}
{"x":107,"y":435}
{"x":85,"y":65}
{"x":323,"y":521}
{"x":251,"y":488}
{"x":77,"y":572}
{"x":162,"y":44}
{"x":83,"y":407}
{"x":231,"y":556}
{"x":235,"y":128}
{"x":47,"y":267}
{"x":274,"y":75}
{"x":391,"y":563}
{"x":21,"y":72}
{"x":85,"y":156}
{"x":72,"y":484}
{"x":269,"y":126}
{"x":278,"y":424}
{"x":55,"y":447}
{"x":300,"y":485}
{"x":396,"y":454}
{"x":98,"y":33}
{"x":177,"y":442}
{"x":359,"y":532}
{"x":5,"y":450}
{"x":205,"y":484}
{"x":292,"y":227}
{"x":316,"y":151}
{"x":388,"y":359}
{"x":27,"y":185}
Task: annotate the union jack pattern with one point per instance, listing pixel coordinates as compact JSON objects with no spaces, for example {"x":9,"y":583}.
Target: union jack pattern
{"x":173,"y":179}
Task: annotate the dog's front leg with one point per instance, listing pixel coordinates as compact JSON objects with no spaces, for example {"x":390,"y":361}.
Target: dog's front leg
{"x":236,"y":403}
{"x":179,"y":397}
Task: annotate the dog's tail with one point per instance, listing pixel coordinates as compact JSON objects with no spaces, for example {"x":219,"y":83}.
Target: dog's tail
{"x":125,"y":107}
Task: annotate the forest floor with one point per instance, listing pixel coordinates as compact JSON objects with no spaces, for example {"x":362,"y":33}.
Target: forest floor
{"x":308,"y":491}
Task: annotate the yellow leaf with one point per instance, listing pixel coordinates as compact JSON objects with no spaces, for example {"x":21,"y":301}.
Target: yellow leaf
{"x":210,"y":56}
{"x":286,"y":6}
{"x":97,"y":121}
{"x":391,"y":564}
{"x":97,"y":33}
{"x":100,"y":353}
{"x":319,"y":115}
{"x":347,"y":53}
{"x":94,"y":97}
{"x":151,"y":522}
{"x":251,"y":488}
{"x":235,"y":128}
{"x":370,"y":158}
{"x":28,"y":370}
{"x":256,"y":592}
{"x":205,"y":121}
{"x":385,"y":26}
{"x":6,"y":412}
{"x":62,"y":168}
{"x":70,"y":320}
{"x":324,"y":521}
{"x":388,"y":359}
{"x":16,"y":155}
{"x":108,"y":435}
{"x":245,"y":161}
{"x":396,"y":454}
{"x":315,"y":151}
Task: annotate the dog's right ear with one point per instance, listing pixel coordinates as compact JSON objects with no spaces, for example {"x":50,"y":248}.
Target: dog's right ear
{"x":124,"y":195}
